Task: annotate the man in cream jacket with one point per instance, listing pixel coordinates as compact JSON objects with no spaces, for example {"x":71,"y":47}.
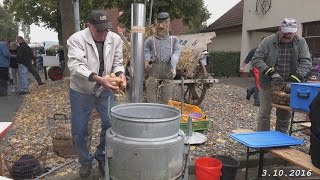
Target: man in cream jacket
{"x":93,"y":53}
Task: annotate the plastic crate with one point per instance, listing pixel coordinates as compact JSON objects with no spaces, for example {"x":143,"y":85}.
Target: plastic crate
{"x":196,"y":125}
{"x":188,"y":110}
{"x":302,"y":94}
{"x":199,"y":120}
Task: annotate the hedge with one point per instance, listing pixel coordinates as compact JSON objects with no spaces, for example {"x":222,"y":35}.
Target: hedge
{"x":50,"y":52}
{"x":224,"y":63}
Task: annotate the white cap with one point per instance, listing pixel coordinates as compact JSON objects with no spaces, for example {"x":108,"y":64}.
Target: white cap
{"x":289,"y":25}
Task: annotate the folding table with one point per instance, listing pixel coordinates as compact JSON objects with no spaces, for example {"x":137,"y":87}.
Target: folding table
{"x":261,"y":141}
{"x":4,"y":127}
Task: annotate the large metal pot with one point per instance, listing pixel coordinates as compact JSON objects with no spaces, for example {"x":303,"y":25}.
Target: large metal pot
{"x":145,"y":120}
{"x":144,"y":142}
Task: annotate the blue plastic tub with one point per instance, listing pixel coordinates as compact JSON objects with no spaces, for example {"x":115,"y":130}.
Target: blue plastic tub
{"x":302,"y":95}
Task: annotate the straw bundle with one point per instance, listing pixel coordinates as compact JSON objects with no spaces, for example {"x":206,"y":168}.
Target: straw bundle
{"x":188,"y":61}
{"x":126,"y":56}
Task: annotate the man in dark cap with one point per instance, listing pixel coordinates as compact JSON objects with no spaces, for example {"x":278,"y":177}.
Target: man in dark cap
{"x":162,"y":53}
{"x":93,"y":53}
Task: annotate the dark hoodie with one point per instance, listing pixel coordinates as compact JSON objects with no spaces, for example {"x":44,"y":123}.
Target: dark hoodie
{"x":24,"y":54}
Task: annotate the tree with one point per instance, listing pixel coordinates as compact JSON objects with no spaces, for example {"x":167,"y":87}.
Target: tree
{"x":44,"y":12}
{"x":192,"y":12}
{"x":8,"y":27}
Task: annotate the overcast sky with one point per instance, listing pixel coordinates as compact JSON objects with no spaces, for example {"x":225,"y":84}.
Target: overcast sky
{"x":216,"y":7}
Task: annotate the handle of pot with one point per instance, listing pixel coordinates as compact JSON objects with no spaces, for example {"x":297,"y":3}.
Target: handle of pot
{"x":303,"y":94}
{"x":57,"y":115}
{"x":109,"y":154}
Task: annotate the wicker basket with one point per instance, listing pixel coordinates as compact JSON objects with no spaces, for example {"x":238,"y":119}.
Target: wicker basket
{"x":25,"y":160}
{"x":60,"y":129}
{"x":281,"y":97}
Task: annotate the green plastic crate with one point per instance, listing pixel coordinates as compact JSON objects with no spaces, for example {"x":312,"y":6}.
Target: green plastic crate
{"x":196,"y":125}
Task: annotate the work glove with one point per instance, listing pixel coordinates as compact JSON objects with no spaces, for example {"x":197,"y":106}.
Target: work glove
{"x":276,"y":80}
{"x":296,"y":78}
{"x":147,"y":64}
{"x":173,"y":73}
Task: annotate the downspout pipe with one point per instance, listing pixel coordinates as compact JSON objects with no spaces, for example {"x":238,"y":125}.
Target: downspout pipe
{"x":76,"y":15}
{"x":138,"y":20}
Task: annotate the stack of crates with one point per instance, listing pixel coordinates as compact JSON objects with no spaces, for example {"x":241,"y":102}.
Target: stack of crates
{"x":199,"y":120}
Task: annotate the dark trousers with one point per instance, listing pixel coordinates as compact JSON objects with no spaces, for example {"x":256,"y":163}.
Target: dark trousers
{"x":34,"y":72}
{"x":4,"y":77}
{"x":256,"y":94}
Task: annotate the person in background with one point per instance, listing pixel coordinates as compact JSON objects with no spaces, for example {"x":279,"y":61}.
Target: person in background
{"x":4,"y":66}
{"x":93,"y":53}
{"x":162,"y":53}
{"x":204,"y":59}
{"x":40,"y":63}
{"x":24,"y":58}
{"x":14,"y":67}
{"x":254,"y":90}
{"x":281,"y":57}
{"x":61,"y":58}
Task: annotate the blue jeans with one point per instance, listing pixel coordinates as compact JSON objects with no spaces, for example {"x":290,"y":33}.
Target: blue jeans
{"x":81,"y":107}
{"x":23,"y":77}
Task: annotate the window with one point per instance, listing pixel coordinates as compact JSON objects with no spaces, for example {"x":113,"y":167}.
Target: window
{"x":312,"y":35}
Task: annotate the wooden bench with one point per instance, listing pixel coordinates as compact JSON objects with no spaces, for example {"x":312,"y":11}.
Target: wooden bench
{"x":291,"y":155}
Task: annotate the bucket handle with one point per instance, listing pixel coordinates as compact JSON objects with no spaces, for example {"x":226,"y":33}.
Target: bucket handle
{"x":57,"y":115}
{"x":302,"y":93}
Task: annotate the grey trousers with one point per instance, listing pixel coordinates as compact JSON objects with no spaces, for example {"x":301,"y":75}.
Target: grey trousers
{"x":159,"y":88}
{"x":283,"y":116}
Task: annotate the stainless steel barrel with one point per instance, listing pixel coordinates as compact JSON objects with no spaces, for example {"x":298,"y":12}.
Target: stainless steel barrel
{"x":144,"y":142}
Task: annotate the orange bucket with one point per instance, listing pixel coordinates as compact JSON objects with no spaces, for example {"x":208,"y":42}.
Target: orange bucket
{"x":208,"y":168}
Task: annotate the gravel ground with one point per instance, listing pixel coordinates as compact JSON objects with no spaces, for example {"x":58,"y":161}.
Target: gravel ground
{"x":225,"y":106}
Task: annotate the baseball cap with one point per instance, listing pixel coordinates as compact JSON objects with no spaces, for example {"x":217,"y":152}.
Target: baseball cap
{"x":289,"y":25}
{"x":99,"y":19}
{"x":163,"y":16}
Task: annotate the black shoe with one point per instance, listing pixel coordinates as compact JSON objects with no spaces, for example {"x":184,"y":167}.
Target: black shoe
{"x":85,"y":170}
{"x":248,"y":94}
{"x":23,"y":93}
{"x":256,"y":103}
{"x":41,"y":83}
{"x":101,"y":166}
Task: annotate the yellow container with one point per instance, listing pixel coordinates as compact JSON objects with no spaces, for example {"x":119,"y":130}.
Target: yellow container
{"x":189,"y":110}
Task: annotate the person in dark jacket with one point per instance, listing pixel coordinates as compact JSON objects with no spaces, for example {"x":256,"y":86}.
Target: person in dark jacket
{"x":14,"y":67}
{"x":4,"y":66}
{"x":24,"y":59}
{"x":254,"y":90}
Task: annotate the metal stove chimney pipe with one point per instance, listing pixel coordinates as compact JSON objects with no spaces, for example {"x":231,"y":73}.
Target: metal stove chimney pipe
{"x":138,"y":19}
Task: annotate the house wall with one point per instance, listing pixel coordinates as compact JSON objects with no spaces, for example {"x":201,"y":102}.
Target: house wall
{"x":226,"y":42}
{"x":302,"y":11}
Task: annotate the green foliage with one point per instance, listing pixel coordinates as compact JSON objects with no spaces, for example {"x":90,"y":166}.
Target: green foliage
{"x":50,"y":52}
{"x":224,"y":63}
{"x":46,"y":12}
{"x":193,"y":12}
{"x":35,"y":11}
{"x":8,"y":27}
